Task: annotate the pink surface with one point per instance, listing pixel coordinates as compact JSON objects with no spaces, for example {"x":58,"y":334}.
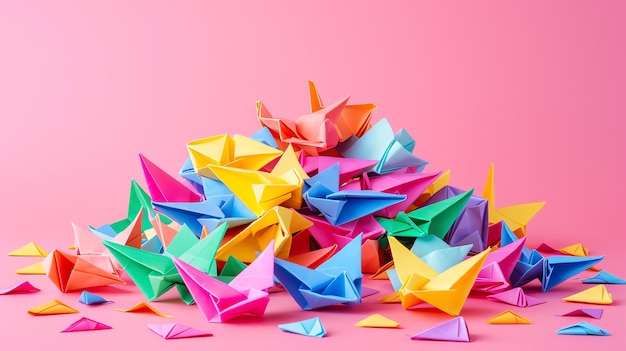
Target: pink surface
{"x":538,"y":88}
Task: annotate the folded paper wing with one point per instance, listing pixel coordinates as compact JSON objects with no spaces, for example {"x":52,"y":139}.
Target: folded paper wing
{"x":245,"y":294}
{"x":177,"y":331}
{"x":604,"y":278}
{"x":557,"y":269}
{"x":583,"y":328}
{"x":163,"y":187}
{"x":308,"y":327}
{"x":598,"y":295}
{"x":452,"y":330}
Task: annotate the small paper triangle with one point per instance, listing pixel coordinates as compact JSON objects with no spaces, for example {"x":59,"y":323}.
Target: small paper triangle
{"x":508,"y":317}
{"x":35,"y":268}
{"x":52,"y":307}
{"x":377,"y":321}
{"x":452,"y":330}
{"x":144,"y":307}
{"x":20,"y":288}
{"x":85,"y":324}
{"x":596,"y":295}
{"x":30,"y":249}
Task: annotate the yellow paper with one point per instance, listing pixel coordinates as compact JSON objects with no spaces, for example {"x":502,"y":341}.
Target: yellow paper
{"x":144,"y":307}
{"x":377,"y":321}
{"x":35,"y":268}
{"x":508,"y":317}
{"x":30,"y":249}
{"x":52,"y":307}
{"x":598,"y":295}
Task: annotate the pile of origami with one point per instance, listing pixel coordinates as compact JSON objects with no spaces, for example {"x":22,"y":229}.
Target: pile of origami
{"x":311,"y":205}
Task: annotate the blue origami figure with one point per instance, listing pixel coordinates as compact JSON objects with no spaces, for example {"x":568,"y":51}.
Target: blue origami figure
{"x":583,"y":328}
{"x":336,"y":281}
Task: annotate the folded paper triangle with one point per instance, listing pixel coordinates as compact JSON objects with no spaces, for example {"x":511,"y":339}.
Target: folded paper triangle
{"x":583,"y":328}
{"x":19,"y":288}
{"x":377,"y":321}
{"x":597,"y":295}
{"x":557,"y":269}
{"x":52,"y":307}
{"x":30,"y":249}
{"x":88,"y":298}
{"x":144,"y":307}
{"x":508,"y":317}
{"x":516,"y":297}
{"x":591,"y":312}
{"x":163,"y":187}
{"x":85,"y":324}
{"x":452,"y":330}
{"x":604,"y":278}
{"x":71,"y":272}
{"x":308,"y":327}
{"x":35,"y":268}
{"x":177,"y":331}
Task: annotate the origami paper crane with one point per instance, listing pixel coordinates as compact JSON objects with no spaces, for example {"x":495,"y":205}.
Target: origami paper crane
{"x":604,"y":277}
{"x":508,"y":317}
{"x":30,"y":249}
{"x":516,"y":297}
{"x":557,"y":269}
{"x":163,"y":187}
{"x":452,"y":330}
{"x":409,"y":184}
{"x":245,"y":294}
{"x":177,"y":331}
{"x":155,"y":274}
{"x":24,"y":287}
{"x":588,"y":312}
{"x":308,"y":327}
{"x":278,"y":224}
{"x":70,"y":272}
{"x":259,"y":191}
{"x":237,"y":151}
{"x":336,"y":281}
{"x":528,"y":268}
{"x":583,"y":328}
{"x":35,"y":268}
{"x":52,"y":307}
{"x":377,"y":321}
{"x":85,"y":324}
{"x":88,"y":298}
{"x":516,"y":216}
{"x":393,"y":151}
{"x":436,"y":218}
{"x":597,"y":295}
{"x":323,"y":128}
{"x":471,"y":224}
{"x":446,"y":291}
{"x":144,"y":307}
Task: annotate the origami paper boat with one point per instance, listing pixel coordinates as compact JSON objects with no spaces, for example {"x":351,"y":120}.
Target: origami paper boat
{"x":336,"y":281}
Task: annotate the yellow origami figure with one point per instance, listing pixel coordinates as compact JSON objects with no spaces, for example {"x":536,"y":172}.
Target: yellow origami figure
{"x":237,"y":151}
{"x":446,"y":291}
{"x":516,"y":216}
{"x":279,"y":225}
{"x":598,"y":295}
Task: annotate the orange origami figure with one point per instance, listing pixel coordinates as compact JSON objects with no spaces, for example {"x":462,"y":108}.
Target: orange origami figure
{"x":70,"y":272}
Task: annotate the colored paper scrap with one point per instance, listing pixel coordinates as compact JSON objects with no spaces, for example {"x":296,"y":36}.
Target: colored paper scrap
{"x":308,"y":327}
{"x":590,"y":312}
{"x":88,"y":298}
{"x":36,"y":268}
{"x":604,"y":277}
{"x":144,"y":307}
{"x":598,"y":295}
{"x":583,"y":328}
{"x":516,"y":297}
{"x":71,"y":272}
{"x":453,"y":330}
{"x":50,"y":308}
{"x":508,"y":317}
{"x":30,"y":249}
{"x":85,"y":324}
{"x":20,"y":288}
{"x":177,"y":331}
{"x":377,"y":321}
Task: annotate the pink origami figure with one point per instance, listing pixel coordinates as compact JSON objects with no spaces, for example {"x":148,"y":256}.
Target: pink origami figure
{"x":177,"y":331}
{"x":24,"y":287}
{"x":452,"y":330}
{"x":245,"y":294}
{"x":516,"y":297}
{"x":586,"y":312}
{"x":495,"y":275}
{"x":85,"y":324}
{"x":163,"y":187}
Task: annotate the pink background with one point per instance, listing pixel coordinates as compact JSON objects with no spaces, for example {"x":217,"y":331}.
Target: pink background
{"x":536,"y":87}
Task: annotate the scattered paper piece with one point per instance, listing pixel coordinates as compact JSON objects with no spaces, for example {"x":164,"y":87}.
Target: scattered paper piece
{"x":598,"y":295}
{"x":590,"y":312}
{"x":88,"y":298}
{"x":583,"y":328}
{"x":508,"y":317}
{"x":452,"y":330}
{"x":144,"y":307}
{"x":30,"y":249}
{"x":85,"y":324}
{"x":36,"y":268}
{"x":20,"y":288}
{"x":604,"y":277}
{"x":377,"y":321}
{"x":50,"y":308}
{"x":74,"y":272}
{"x":177,"y":331}
{"x":516,"y":297}
{"x":308,"y":327}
